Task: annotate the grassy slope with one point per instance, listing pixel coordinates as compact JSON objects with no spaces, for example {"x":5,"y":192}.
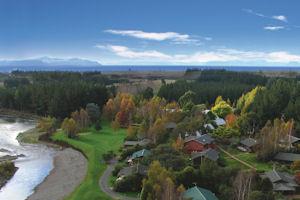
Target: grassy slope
{"x":93,"y":144}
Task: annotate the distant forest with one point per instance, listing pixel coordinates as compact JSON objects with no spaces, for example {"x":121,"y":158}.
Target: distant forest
{"x":213,"y":83}
{"x":53,"y":93}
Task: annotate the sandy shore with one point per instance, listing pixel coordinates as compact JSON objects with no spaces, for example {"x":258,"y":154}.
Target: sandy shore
{"x":70,"y":168}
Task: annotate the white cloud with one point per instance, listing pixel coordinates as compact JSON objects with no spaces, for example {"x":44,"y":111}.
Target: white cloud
{"x":152,"y":35}
{"x":202,"y":57}
{"x":175,"y":38}
{"x":280,"y":18}
{"x":274,"y":28}
{"x":254,"y":13}
{"x":125,"y":52}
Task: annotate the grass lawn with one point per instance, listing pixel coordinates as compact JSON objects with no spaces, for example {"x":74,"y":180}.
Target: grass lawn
{"x":93,"y":144}
{"x":249,"y":158}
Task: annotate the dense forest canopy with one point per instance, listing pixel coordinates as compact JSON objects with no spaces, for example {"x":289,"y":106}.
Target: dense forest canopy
{"x":213,"y":83}
{"x":53,"y":93}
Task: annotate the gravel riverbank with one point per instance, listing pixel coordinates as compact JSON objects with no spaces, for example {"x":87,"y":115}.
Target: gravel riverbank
{"x":70,"y":168}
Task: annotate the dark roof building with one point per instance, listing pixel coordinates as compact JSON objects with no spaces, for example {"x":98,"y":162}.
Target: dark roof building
{"x":249,"y":142}
{"x":170,"y":125}
{"x":281,"y":181}
{"x":209,"y":153}
{"x":203,"y":139}
{"x":287,"y":157}
{"x":198,"y":193}
{"x":142,"y":143}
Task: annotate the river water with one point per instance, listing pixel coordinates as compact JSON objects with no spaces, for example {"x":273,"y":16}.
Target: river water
{"x":32,"y":168}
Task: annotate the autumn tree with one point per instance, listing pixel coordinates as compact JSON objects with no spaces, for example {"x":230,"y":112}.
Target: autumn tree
{"x":274,"y":137}
{"x":221,"y":108}
{"x":295,"y":165}
{"x":109,"y":110}
{"x":178,"y":143}
{"x":47,"y":125}
{"x":70,"y":127}
{"x":230,"y":120}
{"x":246,"y":100}
{"x":157,"y":132}
{"x":160,"y":184}
{"x":132,"y":132}
{"x":81,"y":118}
{"x":123,"y":109}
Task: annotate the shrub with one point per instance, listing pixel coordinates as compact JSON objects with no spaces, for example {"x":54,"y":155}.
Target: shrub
{"x":117,"y":169}
{"x":132,"y":183}
{"x":108,"y":156}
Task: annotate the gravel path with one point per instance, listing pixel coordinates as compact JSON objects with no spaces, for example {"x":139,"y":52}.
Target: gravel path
{"x":237,"y":159}
{"x":103,"y":182}
{"x":70,"y":168}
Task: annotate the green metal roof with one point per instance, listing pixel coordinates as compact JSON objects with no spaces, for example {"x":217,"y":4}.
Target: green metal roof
{"x":198,"y":193}
{"x":141,"y":153}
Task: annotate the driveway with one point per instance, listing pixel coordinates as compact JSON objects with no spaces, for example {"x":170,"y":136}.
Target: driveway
{"x":104,"y":184}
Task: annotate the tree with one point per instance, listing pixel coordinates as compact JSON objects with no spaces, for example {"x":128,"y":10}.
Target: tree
{"x":147,"y":93}
{"x":218,"y":100}
{"x":297,"y":177}
{"x":248,"y":123}
{"x":93,"y":112}
{"x":230,"y":120}
{"x":245,"y":101}
{"x":274,"y":137}
{"x":186,"y":101}
{"x":70,"y":127}
{"x":178,"y":144}
{"x":157,"y":132}
{"x":222,"y":108}
{"x":242,"y":185}
{"x":81,"y":118}
{"x":295,"y":165}
{"x":225,"y":132}
{"x":109,"y":109}
{"x":159,"y":185}
{"x":47,"y":125}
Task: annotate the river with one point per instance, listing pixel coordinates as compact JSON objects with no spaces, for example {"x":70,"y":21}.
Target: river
{"x":32,"y":168}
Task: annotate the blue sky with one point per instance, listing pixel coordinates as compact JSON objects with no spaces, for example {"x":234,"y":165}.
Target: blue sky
{"x":193,"y":32}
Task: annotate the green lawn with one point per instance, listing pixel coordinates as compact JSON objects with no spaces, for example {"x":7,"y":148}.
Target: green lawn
{"x":93,"y":144}
{"x":249,"y":158}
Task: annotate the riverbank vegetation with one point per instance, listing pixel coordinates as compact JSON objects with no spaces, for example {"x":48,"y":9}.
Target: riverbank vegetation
{"x":7,"y":170}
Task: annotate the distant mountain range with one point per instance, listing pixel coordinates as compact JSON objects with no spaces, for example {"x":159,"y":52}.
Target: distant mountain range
{"x":49,"y":62}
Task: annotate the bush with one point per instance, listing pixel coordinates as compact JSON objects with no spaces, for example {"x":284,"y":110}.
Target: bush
{"x":6,"y":169}
{"x":108,"y":156}
{"x":117,"y":169}
{"x":98,"y":126}
{"x":129,"y":151}
{"x":132,"y":183}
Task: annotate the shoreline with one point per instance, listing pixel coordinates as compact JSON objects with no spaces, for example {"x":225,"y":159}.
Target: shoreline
{"x":69,"y":165}
{"x":18,"y":114}
{"x":69,"y":170}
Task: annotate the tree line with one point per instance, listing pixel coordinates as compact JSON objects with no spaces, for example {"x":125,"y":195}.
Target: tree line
{"x":213,"y":83}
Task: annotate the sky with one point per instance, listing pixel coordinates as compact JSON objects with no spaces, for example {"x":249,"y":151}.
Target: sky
{"x":156,"y":32}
